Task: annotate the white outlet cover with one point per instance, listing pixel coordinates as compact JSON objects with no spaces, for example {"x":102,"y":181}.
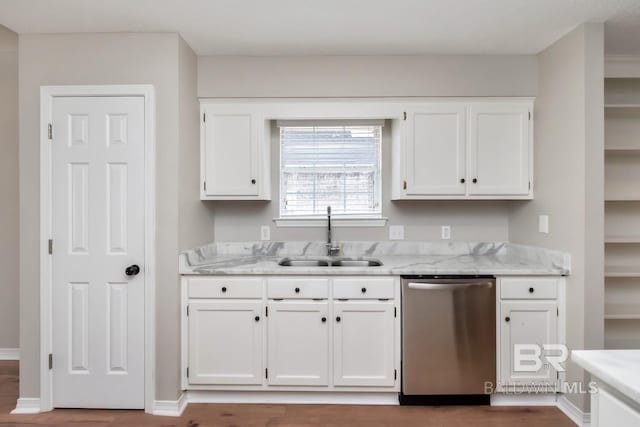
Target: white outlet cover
{"x":396,"y":232}
{"x":543,"y":223}
{"x":446,"y":232}
{"x":265,"y":232}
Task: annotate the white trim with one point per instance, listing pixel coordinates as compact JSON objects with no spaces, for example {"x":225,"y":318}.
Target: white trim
{"x":574,"y":413}
{"x":170,"y":408}
{"x":295,"y":397}
{"x":27,"y":405}
{"x":523,"y":399}
{"x":9,"y":354}
{"x":47,"y":93}
{"x":335,"y":222}
{"x":621,"y":66}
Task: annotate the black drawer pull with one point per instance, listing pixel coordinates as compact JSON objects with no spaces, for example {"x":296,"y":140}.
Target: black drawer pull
{"x":297,"y":290}
{"x":531,"y":290}
{"x":507,"y":319}
{"x":224,"y":289}
{"x":257,"y":318}
{"x":364,"y":290}
{"x":324,"y":319}
{"x":338,"y":319}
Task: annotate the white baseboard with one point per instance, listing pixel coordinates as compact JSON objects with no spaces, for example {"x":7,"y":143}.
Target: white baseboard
{"x":27,"y":405}
{"x":170,"y":408}
{"x":284,"y":397}
{"x":9,"y":354}
{"x":574,"y":413}
{"x":523,"y":399}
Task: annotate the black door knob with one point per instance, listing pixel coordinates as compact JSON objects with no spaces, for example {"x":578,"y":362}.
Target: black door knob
{"x":474,"y":180}
{"x":507,"y":319}
{"x":531,"y":290}
{"x":364,"y":290}
{"x":462,"y":180}
{"x":253,"y":181}
{"x":297,"y":290}
{"x":324,"y":319}
{"x":132,"y":270}
{"x":338,"y":319}
{"x":257,"y":318}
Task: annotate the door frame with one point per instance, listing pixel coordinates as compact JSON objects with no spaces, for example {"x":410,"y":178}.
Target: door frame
{"x":47,"y":95}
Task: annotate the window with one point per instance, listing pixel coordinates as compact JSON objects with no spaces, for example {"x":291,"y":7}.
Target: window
{"x":330,"y":164}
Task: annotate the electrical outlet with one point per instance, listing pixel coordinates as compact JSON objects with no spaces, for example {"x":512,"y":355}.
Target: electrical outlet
{"x":543,"y":224}
{"x":445,"y":232}
{"x":265,"y":232}
{"x":396,"y":232}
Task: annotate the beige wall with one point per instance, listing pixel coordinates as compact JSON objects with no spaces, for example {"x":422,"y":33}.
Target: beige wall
{"x":569,"y":178}
{"x":76,"y":59}
{"x":9,"y":219}
{"x":364,"y":76}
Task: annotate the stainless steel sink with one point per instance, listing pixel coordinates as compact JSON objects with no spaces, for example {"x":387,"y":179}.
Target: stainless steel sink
{"x":329,"y":262}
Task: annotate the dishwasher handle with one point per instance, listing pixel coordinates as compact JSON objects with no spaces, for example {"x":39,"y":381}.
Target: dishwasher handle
{"x":447,"y":286}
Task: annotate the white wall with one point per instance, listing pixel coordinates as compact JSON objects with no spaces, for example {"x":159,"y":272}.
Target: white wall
{"x":9,"y":218}
{"x":75,"y":59}
{"x":569,"y":179}
{"x":365,"y":76}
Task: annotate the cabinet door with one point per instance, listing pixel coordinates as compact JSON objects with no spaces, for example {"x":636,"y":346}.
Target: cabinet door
{"x":225,"y":342}
{"x":526,"y":322}
{"x":298,"y":343}
{"x":231,"y":144}
{"x":435,"y":150}
{"x":363,"y":344}
{"x":499,"y":151}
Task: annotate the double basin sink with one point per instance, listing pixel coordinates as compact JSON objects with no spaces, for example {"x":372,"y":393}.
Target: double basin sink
{"x":329,"y":262}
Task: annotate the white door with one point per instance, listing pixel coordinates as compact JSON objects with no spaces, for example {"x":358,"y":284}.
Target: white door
{"x":499,"y":149}
{"x":225,"y":342}
{"x":363,"y":344}
{"x":527,"y":322}
{"x":435,"y":155}
{"x":298,"y":343}
{"x":230,"y":152}
{"x":98,"y":225}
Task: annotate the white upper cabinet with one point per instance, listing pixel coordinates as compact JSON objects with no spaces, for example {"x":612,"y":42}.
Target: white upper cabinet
{"x":234,"y":153}
{"x":499,"y":158}
{"x":435,"y":153}
{"x":464,"y":150}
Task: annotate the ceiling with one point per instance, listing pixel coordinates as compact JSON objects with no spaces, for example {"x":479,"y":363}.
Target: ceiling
{"x":331,"y":27}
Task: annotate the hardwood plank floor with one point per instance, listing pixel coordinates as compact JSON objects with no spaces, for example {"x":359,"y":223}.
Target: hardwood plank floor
{"x":205,"y":415}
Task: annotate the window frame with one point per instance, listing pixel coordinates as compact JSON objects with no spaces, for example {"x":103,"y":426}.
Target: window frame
{"x":339,"y":220}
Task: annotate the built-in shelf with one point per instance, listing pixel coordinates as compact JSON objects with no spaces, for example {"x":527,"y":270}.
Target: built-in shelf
{"x":622,"y":239}
{"x":622,"y":150}
{"x":622,"y":271}
{"x":621,"y":105}
{"x":621,"y":333}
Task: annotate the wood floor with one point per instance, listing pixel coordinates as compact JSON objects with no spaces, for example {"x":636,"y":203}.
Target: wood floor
{"x":204,"y":415}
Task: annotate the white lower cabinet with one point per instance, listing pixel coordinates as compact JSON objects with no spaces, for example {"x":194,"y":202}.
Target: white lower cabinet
{"x":291,"y":333}
{"x":298,"y":343}
{"x":225,"y":342}
{"x":529,"y":325}
{"x":363,"y":344}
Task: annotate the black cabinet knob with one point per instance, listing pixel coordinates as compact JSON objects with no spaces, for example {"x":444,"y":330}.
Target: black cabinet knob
{"x":257,"y":318}
{"x":507,"y":319}
{"x":531,"y":290}
{"x":253,"y":181}
{"x":324,"y":319}
{"x":224,"y":289}
{"x":132,"y":270}
{"x":462,"y":180}
{"x":364,"y":290}
{"x":338,"y":319}
{"x":297,"y":290}
{"x":474,"y":180}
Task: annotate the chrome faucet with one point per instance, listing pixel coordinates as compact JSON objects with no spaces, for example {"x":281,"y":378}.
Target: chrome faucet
{"x":332,"y":250}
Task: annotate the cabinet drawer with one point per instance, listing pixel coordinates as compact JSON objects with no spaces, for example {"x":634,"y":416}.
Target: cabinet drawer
{"x":529,"y":288}
{"x":224,"y":287}
{"x":363,"y":288}
{"x":298,"y":287}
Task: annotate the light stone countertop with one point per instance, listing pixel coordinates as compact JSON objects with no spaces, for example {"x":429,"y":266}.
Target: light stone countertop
{"x":398,"y":258}
{"x":620,"y":369}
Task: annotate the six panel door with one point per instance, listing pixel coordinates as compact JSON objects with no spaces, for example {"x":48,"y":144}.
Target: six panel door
{"x":98,"y":223}
{"x":527,"y":322}
{"x":225,"y":342}
{"x":298,"y":343}
{"x":499,"y":157}
{"x":363,"y":344}
{"x":436,"y":150}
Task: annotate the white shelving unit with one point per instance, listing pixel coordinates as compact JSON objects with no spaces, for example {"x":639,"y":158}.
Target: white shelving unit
{"x":622,"y":213}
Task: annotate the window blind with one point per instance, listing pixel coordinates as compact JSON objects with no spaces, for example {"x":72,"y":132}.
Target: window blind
{"x":330,"y":165}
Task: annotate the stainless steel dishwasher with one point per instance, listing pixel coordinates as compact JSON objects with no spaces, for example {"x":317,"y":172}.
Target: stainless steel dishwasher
{"x":448,"y":339}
